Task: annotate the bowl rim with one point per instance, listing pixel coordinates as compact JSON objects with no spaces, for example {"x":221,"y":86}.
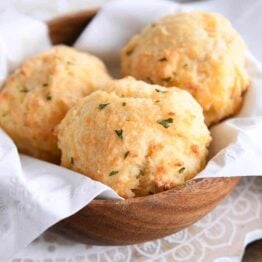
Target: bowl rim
{"x":179,"y":189}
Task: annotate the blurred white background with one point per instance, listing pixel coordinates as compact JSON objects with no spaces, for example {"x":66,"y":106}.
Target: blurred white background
{"x":46,"y":9}
{"x":244,"y":14}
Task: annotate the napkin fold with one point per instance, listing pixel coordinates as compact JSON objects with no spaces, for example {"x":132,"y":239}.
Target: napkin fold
{"x":116,"y":23}
{"x":20,"y":37}
{"x":34,"y":195}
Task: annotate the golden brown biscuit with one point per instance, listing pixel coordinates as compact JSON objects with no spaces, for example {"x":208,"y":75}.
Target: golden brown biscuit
{"x":196,"y":51}
{"x":36,"y":97}
{"x":137,"y":138}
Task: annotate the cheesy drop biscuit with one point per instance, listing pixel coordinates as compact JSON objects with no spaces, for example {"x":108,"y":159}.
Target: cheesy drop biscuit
{"x":36,"y":97}
{"x":197,"y":51}
{"x":137,"y":138}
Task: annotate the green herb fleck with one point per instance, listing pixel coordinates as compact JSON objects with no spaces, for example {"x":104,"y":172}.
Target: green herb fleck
{"x":49,"y":97}
{"x":102,"y":106}
{"x":165,"y":122}
{"x":181,"y":170}
{"x":70,"y":63}
{"x":126,"y":154}
{"x":119,"y":133}
{"x":129,"y":52}
{"x":24,"y":90}
{"x":163,"y":59}
{"x":166,"y":79}
{"x":149,"y":80}
{"x":113,"y":173}
{"x":124,"y":104}
{"x":5,"y":114}
{"x":141,"y":173}
{"x":161,"y":91}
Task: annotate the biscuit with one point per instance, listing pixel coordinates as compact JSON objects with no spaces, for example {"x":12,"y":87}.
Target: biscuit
{"x":135,"y":137}
{"x":197,"y":51}
{"x":36,"y":97}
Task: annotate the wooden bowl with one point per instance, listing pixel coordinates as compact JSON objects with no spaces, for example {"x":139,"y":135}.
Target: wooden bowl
{"x":122,"y":222}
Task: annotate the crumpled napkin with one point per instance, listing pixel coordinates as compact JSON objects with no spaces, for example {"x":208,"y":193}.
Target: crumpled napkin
{"x":20,"y":37}
{"x":34,"y":194}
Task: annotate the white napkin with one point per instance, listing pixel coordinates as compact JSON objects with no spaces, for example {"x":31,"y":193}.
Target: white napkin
{"x":20,"y":37}
{"x":34,"y":195}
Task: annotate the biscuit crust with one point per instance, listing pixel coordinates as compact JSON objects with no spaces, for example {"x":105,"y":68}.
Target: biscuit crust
{"x":36,"y":97}
{"x":197,"y":51}
{"x":135,"y":137}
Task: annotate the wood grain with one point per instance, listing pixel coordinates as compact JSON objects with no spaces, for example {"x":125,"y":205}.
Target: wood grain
{"x":253,"y":252}
{"x":108,"y":222}
{"x":66,"y":29}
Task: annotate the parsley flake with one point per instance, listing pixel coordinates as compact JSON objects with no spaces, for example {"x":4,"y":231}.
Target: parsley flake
{"x":102,"y":106}
{"x":181,"y":170}
{"x":5,"y":114}
{"x":24,"y":90}
{"x":161,"y":91}
{"x":129,"y":52}
{"x":119,"y":133}
{"x":49,"y":97}
{"x":141,"y":173}
{"x":163,"y":59}
{"x":113,"y":173}
{"x":126,"y":154}
{"x":167,"y":79}
{"x":165,"y":122}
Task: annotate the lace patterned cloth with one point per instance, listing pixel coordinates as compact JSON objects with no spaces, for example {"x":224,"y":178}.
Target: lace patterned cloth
{"x":220,"y":236}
